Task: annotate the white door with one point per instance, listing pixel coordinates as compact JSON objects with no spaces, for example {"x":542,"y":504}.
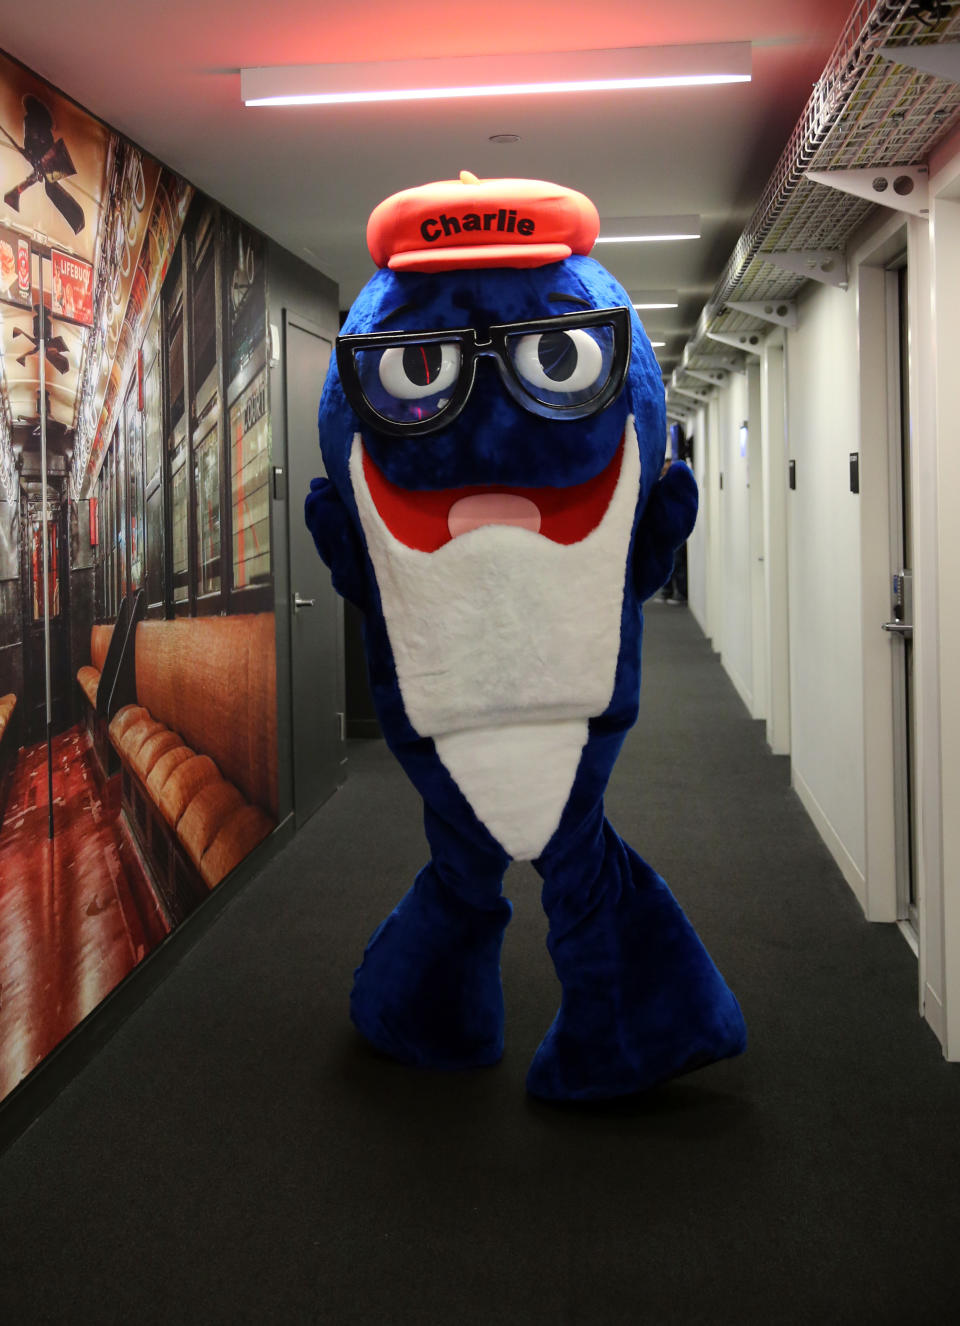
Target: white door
{"x":899,"y":624}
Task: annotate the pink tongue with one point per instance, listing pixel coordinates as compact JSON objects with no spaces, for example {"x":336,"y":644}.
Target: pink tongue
{"x":492,"y":509}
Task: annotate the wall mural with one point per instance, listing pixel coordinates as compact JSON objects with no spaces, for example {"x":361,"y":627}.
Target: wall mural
{"x":133,"y":356}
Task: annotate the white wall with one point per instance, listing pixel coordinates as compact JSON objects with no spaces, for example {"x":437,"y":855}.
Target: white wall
{"x":795,"y":630}
{"x":823,"y":519}
{"x":941,"y":922}
{"x":776,"y":625}
{"x":929,"y":796}
{"x":707,"y":550}
{"x":696,"y":547}
{"x":758,"y":602}
{"x":736,"y":634}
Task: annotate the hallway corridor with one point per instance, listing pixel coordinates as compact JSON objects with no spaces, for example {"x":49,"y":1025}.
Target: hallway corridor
{"x":236,"y":1154}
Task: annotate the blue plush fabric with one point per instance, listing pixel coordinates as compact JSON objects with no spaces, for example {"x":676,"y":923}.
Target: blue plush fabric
{"x":428,"y":991}
{"x":642,"y":1000}
{"x":494,"y":440}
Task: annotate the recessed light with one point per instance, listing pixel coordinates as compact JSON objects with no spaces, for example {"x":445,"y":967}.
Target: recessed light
{"x":504,"y":138}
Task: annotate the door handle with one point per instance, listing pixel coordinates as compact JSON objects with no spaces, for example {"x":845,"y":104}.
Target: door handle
{"x":899,"y":628}
{"x":299,"y":603}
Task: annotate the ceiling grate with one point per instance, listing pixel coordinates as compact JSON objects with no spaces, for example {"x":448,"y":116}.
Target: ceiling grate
{"x":864,"y":111}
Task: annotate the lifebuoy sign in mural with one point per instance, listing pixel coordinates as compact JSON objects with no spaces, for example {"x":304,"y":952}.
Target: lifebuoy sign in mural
{"x":72,"y":293}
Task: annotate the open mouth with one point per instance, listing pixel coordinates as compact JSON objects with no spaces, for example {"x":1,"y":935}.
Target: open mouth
{"x":426,"y":520}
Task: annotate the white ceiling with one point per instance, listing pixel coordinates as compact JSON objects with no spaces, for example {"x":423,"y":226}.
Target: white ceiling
{"x":166,"y":74}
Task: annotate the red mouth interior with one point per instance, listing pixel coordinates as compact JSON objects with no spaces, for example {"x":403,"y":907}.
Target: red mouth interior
{"x":419,"y":519}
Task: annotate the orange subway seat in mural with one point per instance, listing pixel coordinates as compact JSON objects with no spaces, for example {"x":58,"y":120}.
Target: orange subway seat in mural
{"x":186,"y":782}
{"x":7,"y":705}
{"x":89,"y":675}
{"x":201,"y":738}
{"x":124,"y":719}
{"x":8,"y":747}
{"x":137,"y":734}
{"x":153,"y":748}
{"x":164,"y":767}
{"x":206,"y":815}
{"x":245,"y":828}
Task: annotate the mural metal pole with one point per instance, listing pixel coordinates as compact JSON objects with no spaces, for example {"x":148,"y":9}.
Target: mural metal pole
{"x":42,"y":354}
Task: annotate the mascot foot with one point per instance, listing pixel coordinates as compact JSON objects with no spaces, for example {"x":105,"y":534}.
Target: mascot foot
{"x":642,"y":999}
{"x":428,"y":990}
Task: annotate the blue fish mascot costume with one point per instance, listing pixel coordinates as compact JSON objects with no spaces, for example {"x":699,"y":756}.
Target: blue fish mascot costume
{"x":493,"y":433}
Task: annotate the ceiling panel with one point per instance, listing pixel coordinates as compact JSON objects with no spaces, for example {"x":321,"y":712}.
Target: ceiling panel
{"x":168,"y":76}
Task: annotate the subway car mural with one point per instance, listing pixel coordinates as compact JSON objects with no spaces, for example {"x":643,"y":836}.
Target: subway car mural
{"x":148,"y":303}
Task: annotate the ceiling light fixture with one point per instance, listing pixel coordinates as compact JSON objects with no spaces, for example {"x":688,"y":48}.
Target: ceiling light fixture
{"x":497,"y":75}
{"x":648,"y":229}
{"x":651,"y":299}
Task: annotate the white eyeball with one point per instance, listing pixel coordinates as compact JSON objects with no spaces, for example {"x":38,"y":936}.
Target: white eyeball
{"x":410,"y":372}
{"x":559,"y":361}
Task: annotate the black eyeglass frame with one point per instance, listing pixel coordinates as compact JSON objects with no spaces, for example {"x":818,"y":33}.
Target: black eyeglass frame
{"x":472,"y":349}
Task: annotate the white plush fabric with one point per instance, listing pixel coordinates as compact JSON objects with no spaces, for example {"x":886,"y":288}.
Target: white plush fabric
{"x":504,"y":639}
{"x":517,"y":778}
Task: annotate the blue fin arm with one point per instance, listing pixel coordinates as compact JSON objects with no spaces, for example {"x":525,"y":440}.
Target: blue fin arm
{"x":667,"y":520}
{"x":338,"y":543}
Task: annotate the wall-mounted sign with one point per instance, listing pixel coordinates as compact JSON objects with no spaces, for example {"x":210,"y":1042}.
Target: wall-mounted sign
{"x":72,"y":293}
{"x":854,"y":471}
{"x":15,"y":269}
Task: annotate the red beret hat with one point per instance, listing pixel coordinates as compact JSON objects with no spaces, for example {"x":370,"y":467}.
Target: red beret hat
{"x":480,"y":223}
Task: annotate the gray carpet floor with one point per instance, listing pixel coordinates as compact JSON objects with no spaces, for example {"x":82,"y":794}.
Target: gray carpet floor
{"x":237,"y":1154}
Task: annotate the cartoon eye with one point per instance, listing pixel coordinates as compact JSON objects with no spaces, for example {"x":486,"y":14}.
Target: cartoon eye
{"x":409,"y":372}
{"x":559,"y":361}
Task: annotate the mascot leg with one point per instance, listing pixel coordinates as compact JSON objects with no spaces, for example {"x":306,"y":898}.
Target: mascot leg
{"x":428,"y":990}
{"x":642,"y":999}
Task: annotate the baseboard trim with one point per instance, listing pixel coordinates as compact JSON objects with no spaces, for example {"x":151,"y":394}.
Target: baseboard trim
{"x":699,"y":617}
{"x":739,"y":685}
{"x":935,"y":1016}
{"x":848,"y":867}
{"x":910,"y":937}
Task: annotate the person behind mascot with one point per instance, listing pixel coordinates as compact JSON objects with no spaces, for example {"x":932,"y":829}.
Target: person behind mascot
{"x":492,"y":428}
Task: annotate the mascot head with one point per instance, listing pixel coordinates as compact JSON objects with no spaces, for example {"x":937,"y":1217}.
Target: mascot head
{"x":490,"y":369}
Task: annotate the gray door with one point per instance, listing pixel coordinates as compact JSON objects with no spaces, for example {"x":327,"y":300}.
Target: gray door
{"x":316,"y":618}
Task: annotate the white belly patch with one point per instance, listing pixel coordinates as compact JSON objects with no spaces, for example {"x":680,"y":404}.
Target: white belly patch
{"x":505,"y":645}
{"x":516,"y":778}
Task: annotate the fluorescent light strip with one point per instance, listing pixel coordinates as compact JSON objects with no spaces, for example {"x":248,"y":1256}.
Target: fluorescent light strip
{"x":647,"y":230}
{"x":658,"y":345}
{"x":493,"y":90}
{"x":649,"y":298}
{"x":621,"y":69}
{"x":643,"y":239}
